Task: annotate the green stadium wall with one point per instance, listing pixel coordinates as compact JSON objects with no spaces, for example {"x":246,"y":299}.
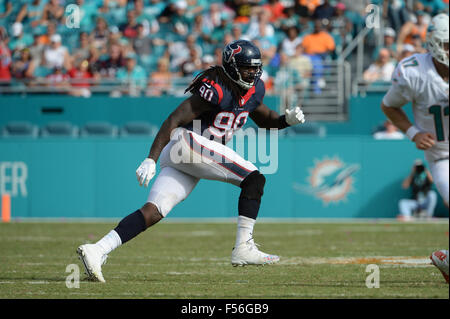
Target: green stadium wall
{"x":344,"y":175}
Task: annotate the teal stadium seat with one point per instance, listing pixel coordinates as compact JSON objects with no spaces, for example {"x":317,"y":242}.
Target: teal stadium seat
{"x":59,"y":129}
{"x":19,"y":129}
{"x":137,"y":128}
{"x":99,"y":129}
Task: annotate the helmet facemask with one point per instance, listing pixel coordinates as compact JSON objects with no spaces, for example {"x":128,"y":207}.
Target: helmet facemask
{"x":438,"y":39}
{"x":240,"y":76}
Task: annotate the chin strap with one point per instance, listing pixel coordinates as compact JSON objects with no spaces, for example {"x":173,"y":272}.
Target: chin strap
{"x":239,"y":82}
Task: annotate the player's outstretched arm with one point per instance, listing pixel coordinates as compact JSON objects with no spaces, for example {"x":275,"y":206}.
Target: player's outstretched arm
{"x":423,"y":140}
{"x":266,"y":118}
{"x":187,"y":111}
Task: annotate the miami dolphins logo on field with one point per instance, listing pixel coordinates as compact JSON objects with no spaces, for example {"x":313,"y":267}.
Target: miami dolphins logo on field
{"x":330,"y":180}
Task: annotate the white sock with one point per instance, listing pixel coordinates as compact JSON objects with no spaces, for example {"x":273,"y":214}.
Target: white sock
{"x":244,"y":229}
{"x":109,"y":242}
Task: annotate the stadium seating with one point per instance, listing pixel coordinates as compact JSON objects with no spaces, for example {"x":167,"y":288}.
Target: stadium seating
{"x":133,"y":129}
{"x":99,"y":129}
{"x":62,"y":129}
{"x":19,"y":129}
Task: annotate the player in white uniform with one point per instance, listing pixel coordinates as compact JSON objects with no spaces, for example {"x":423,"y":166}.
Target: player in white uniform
{"x":423,"y":80}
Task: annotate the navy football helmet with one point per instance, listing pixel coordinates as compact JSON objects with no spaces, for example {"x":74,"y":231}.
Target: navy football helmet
{"x":238,"y":54}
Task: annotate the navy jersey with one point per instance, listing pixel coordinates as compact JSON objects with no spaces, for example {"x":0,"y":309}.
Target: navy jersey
{"x":227,"y":115}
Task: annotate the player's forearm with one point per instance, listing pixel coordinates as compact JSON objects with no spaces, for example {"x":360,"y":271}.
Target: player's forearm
{"x":162,"y":138}
{"x":397,"y":116}
{"x":274,"y":120}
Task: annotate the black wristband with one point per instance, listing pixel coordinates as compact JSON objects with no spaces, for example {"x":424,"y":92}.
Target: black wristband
{"x":282,"y":122}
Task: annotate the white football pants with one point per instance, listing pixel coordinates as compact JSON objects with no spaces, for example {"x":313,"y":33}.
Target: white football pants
{"x":186,"y":159}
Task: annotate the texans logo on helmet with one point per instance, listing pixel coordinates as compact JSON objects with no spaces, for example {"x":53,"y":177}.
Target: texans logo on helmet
{"x":230,"y":52}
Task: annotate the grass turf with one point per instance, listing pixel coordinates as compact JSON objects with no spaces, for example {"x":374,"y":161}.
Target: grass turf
{"x":192,"y":260}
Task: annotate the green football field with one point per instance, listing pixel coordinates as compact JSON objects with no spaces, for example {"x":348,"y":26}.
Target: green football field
{"x":192,"y":260}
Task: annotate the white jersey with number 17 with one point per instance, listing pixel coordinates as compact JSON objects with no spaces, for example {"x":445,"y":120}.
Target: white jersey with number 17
{"x":416,"y":80}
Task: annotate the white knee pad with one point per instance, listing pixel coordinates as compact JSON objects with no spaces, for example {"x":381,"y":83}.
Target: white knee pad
{"x":170,"y":188}
{"x":163,"y":201}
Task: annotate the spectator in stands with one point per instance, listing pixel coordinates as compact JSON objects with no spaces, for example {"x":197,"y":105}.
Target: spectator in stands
{"x":142,"y":44}
{"x":179,"y":50}
{"x":242,"y":9}
{"x":267,"y":44}
{"x":227,"y":38}
{"x":290,"y":19}
{"x":302,"y":64}
{"x":108,"y":5}
{"x":58,"y":79}
{"x":287,"y":81}
{"x":418,"y":45}
{"x":166,"y":15}
{"x":396,"y":13}
{"x":23,"y":68}
{"x":108,"y":68}
{"x":193,"y":64}
{"x":411,"y":29}
{"x":6,"y":8}
{"x":81,"y":79}
{"x":53,"y":12}
{"x":341,"y":27}
{"x":56,"y":55}
{"x":213,"y":18}
{"x":289,"y":44}
{"x":381,"y":69}
{"x":83,"y":50}
{"x":389,"y":43}
{"x":129,"y":29}
{"x":319,"y":42}
{"x":199,"y":29}
{"x":306,"y":8}
{"x":324,"y":11}
{"x":36,"y":49}
{"x":132,"y":76}
{"x":423,"y":199}
{"x":433,"y":7}
{"x":19,"y":39}
{"x":390,"y":132}
{"x":88,"y":12}
{"x":207,"y":62}
{"x":44,"y":38}
{"x":218,"y":33}
{"x":257,"y":21}
{"x":149,"y":23}
{"x":276,"y":10}
{"x":218,"y":56}
{"x":160,"y":81}
{"x":32,"y":13}
{"x":100,"y":33}
{"x":194,"y":8}
{"x":407,"y":51}
{"x":318,"y":45}
{"x":236,"y":32}
{"x":5,"y":58}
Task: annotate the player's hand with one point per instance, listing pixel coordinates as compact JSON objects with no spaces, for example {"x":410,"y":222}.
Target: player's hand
{"x":295,"y":116}
{"x":146,"y":171}
{"x":424,"y":140}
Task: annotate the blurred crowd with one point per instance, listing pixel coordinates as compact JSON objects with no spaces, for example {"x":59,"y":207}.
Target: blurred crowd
{"x":151,"y":44}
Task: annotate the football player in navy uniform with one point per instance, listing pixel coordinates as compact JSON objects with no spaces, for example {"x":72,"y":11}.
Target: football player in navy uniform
{"x":191,"y":146}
